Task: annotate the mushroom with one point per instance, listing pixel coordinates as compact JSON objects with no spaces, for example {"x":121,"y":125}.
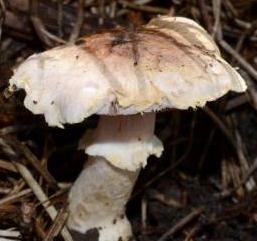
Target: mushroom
{"x":125,"y":77}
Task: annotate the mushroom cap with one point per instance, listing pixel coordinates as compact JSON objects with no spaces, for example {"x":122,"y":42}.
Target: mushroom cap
{"x":171,"y":62}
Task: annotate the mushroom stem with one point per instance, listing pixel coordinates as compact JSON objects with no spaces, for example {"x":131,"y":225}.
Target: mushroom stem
{"x":117,"y":150}
{"x":98,"y":199}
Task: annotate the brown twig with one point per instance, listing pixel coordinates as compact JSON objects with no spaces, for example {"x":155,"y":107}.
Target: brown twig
{"x":101,"y":11}
{"x":206,"y":17}
{"x":14,"y":197}
{"x":193,"y":232}
{"x":236,"y":102}
{"x":41,"y":196}
{"x":145,"y":8}
{"x":46,"y":37}
{"x":229,"y":6}
{"x":79,"y":21}
{"x":60,"y":18}
{"x":237,"y":145}
{"x":9,"y":235}
{"x":221,"y":126}
{"x":216,"y":5}
{"x":33,"y":161}
{"x":7,"y":166}
{"x":182,"y":223}
{"x":206,"y":148}
{"x":168,"y":201}
{"x":250,"y":182}
{"x":247,"y":175}
{"x":248,"y":67}
{"x":248,"y":32}
{"x":144,"y":204}
{"x":57,"y":225}
{"x":2,"y":16}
